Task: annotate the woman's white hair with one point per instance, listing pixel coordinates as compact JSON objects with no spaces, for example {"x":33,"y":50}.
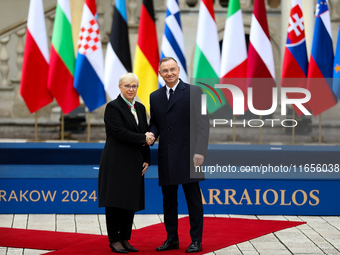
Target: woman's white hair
{"x":127,"y":78}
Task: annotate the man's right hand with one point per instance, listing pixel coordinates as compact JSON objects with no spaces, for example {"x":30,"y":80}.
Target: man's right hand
{"x":150,"y":138}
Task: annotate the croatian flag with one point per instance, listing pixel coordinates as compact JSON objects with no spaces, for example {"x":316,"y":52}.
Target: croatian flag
{"x":89,"y":70}
{"x":295,"y":61}
{"x":173,"y":42}
{"x":320,"y":69}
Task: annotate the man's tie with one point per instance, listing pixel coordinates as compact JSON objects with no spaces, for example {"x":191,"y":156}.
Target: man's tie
{"x":171,"y":92}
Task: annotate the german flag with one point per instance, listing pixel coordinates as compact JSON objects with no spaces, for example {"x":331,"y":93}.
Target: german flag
{"x":147,"y":55}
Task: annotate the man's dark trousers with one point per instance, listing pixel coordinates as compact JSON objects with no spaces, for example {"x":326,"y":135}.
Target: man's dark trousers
{"x":170,"y":206}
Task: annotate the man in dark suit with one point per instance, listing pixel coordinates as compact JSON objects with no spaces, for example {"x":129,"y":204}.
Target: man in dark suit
{"x":183,"y":133}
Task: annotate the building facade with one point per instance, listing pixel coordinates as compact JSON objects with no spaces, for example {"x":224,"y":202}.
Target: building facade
{"x":13,"y":16}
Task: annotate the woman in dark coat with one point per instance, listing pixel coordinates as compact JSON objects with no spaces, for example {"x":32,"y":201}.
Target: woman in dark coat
{"x":124,"y":160}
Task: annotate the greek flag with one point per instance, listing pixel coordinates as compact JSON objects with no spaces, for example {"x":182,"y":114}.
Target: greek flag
{"x":172,"y":41}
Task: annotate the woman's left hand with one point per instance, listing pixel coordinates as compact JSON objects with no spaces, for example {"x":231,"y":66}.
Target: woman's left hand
{"x":145,"y":167}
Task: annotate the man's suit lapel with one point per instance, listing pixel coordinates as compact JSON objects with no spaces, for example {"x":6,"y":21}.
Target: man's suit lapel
{"x":127,"y":112}
{"x":178,"y":93}
{"x":162,"y":97}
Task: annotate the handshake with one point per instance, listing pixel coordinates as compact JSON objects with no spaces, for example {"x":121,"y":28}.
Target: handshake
{"x":150,"y":138}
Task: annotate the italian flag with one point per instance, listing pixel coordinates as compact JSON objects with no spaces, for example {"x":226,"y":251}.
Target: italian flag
{"x":62,"y":60}
{"x":234,"y":52}
{"x":207,"y":56}
{"x":33,"y":88}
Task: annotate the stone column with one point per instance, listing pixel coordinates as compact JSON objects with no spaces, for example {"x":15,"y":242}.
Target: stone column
{"x":20,"y":51}
{"x":4,"y":67}
{"x":132,"y":12}
{"x":217,"y":4}
{"x":183,"y":4}
{"x":193,"y":3}
{"x":309,"y":18}
{"x":334,"y":4}
{"x":101,"y":21}
{"x":50,"y":30}
{"x":19,"y":108}
{"x":76,"y":13}
{"x":246,"y":3}
{"x":285,"y":12}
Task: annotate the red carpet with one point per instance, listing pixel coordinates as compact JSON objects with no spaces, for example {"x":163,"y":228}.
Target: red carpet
{"x":217,"y":234}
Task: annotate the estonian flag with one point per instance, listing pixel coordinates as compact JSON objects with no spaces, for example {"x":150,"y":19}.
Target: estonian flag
{"x":118,"y":57}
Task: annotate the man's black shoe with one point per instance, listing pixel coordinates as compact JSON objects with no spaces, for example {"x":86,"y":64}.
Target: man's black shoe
{"x":168,"y":245}
{"x":195,"y":246}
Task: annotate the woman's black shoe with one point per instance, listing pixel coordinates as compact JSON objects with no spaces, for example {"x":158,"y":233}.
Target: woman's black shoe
{"x":113,"y":249}
{"x":127,"y":246}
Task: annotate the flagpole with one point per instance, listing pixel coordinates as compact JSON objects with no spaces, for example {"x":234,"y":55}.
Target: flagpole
{"x":36,"y":127}
{"x":88,"y":126}
{"x":234,"y":129}
{"x":293,"y":130}
{"x":320,"y":128}
{"x":62,"y":126}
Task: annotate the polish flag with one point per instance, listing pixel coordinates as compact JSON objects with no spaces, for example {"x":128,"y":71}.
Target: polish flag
{"x":33,"y":87}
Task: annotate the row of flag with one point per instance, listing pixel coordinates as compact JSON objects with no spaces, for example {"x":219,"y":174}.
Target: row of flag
{"x":322,"y":80}
{"x":61,"y":76}
{"x":321,"y":76}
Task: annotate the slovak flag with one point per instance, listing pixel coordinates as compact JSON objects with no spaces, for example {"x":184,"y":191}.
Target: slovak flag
{"x":320,"y":71}
{"x":295,"y":61}
{"x":89,"y":70}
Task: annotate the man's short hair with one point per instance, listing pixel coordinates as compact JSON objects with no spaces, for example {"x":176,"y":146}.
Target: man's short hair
{"x":166,"y":59}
